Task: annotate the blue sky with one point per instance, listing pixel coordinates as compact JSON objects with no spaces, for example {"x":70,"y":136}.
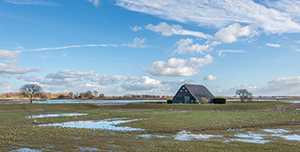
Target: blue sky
{"x":151,"y":46}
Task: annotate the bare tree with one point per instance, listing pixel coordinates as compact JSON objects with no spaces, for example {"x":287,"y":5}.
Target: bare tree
{"x":30,"y":90}
{"x":95,"y":93}
{"x":244,"y":95}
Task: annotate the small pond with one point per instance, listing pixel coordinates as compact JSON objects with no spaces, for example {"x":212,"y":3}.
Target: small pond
{"x":188,"y":136}
{"x":107,"y":124}
{"x":56,"y":115}
{"x":26,"y":150}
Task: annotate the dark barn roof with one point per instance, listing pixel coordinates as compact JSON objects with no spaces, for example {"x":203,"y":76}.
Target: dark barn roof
{"x":198,"y":91}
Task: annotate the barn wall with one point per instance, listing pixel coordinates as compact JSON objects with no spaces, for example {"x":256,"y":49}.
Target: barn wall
{"x":180,"y":96}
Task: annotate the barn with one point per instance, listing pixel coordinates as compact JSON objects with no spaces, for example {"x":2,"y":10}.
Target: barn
{"x":191,"y":93}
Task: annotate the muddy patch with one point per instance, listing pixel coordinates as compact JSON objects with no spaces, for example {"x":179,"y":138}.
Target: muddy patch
{"x":56,"y":115}
{"x":107,"y":124}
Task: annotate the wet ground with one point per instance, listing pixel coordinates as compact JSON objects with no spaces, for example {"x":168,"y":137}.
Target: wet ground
{"x":262,"y":136}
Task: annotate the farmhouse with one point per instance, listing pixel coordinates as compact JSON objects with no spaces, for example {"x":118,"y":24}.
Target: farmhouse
{"x":190,"y":93}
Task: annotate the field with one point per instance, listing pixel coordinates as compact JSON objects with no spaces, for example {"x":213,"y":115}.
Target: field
{"x":17,"y":131}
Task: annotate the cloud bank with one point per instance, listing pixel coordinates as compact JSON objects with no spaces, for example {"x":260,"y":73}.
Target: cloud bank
{"x":220,"y":13}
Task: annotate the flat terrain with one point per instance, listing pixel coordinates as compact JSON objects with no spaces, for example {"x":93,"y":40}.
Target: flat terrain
{"x":17,"y":131}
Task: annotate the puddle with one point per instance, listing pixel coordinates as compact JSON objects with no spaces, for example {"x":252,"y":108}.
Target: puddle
{"x":250,"y":138}
{"x":293,"y":137}
{"x":258,"y":137}
{"x":26,"y":150}
{"x":88,"y":149}
{"x":282,"y":133}
{"x":188,"y":136}
{"x":56,"y":115}
{"x":107,"y":124}
{"x":233,"y":129}
{"x":150,"y":136}
{"x":276,"y":131}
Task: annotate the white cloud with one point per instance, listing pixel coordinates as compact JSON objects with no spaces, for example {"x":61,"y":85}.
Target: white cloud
{"x":45,"y":49}
{"x":180,"y":67}
{"x":32,"y":2}
{"x":12,"y":69}
{"x":8,"y":54}
{"x":188,"y":46}
{"x":210,"y":78}
{"x":136,"y":28}
{"x":224,"y":52}
{"x":137,"y":43}
{"x":219,"y":13}
{"x":231,"y":33}
{"x":96,"y":3}
{"x":273,"y":45}
{"x":143,"y":83}
{"x":8,"y":65}
{"x":6,"y":87}
{"x":170,"y":30}
{"x":282,"y":86}
{"x":79,"y":81}
{"x":291,"y":7}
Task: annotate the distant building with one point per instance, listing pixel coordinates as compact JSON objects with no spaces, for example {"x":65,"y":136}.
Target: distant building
{"x":190,"y":93}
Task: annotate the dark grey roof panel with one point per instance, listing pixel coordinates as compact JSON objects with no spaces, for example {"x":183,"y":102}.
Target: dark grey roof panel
{"x":199,"y":91}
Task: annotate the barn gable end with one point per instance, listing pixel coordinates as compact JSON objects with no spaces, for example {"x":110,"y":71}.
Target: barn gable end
{"x":190,"y":93}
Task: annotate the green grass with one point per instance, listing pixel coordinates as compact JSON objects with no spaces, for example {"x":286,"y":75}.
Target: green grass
{"x":16,"y":131}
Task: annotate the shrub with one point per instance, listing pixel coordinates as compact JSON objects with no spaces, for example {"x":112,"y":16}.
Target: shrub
{"x":169,"y":101}
{"x":218,"y":101}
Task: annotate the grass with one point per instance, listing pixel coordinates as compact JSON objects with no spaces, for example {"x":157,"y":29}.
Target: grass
{"x":16,"y":131}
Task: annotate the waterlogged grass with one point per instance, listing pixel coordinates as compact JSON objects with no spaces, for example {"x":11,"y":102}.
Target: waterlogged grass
{"x":16,"y":131}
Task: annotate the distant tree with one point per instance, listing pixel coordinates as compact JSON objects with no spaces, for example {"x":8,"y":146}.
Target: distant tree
{"x":95,"y":93}
{"x":86,"y":95}
{"x":89,"y":94}
{"x":30,"y":90}
{"x":71,"y":95}
{"x":244,"y":95}
{"x":101,"y":95}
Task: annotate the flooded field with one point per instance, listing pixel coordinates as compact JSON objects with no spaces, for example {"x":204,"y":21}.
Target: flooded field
{"x":261,"y":136}
{"x":150,"y":127}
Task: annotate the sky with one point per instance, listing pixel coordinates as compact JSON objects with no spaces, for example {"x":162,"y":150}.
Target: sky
{"x":121,"y":47}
